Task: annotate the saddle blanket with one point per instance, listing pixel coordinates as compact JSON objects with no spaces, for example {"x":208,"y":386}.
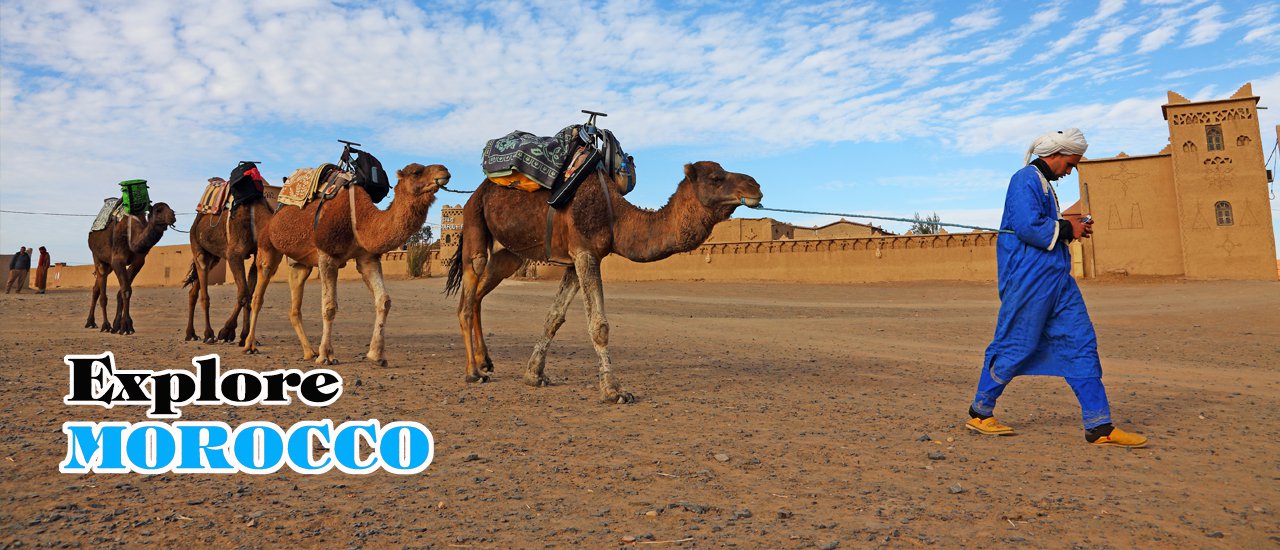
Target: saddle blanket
{"x":109,"y":206}
{"x":214,"y":198}
{"x":306,"y":184}
{"x":540,"y":159}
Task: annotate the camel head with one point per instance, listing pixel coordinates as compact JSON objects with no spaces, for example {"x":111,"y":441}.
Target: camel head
{"x":719,"y":190}
{"x":162,"y":215}
{"x":421,"y":182}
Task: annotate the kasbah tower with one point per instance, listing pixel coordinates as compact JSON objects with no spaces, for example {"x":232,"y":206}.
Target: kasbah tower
{"x":1199,"y":208}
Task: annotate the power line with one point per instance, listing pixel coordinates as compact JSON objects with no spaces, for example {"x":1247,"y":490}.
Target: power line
{"x":72,"y":215}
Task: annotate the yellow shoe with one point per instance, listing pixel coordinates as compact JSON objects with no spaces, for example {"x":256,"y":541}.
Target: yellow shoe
{"x":1120,"y":438}
{"x":988,"y":426}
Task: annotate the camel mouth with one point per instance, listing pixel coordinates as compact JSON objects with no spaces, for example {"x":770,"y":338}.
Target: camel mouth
{"x":749,"y":202}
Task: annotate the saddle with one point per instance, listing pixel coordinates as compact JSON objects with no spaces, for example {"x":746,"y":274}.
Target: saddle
{"x":307,"y":184}
{"x":111,"y":209}
{"x":527,"y":162}
{"x":214,"y":198}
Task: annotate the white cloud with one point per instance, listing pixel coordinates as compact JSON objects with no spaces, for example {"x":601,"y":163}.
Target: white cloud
{"x":1156,"y":39}
{"x":1207,"y":27}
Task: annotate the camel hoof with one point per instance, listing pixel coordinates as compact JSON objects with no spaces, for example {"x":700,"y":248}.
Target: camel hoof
{"x":91,"y":324}
{"x":487,"y":366}
{"x":105,"y":328}
{"x":622,"y":398}
{"x":537,"y":380}
{"x":209,"y":340}
{"x":191,"y":337}
{"x":329,"y":361}
{"x":251,"y":351}
{"x":483,"y":379}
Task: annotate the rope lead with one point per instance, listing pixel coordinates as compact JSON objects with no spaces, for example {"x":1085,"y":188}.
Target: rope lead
{"x":743,"y":202}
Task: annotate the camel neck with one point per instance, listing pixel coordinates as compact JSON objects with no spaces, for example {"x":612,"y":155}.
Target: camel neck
{"x":642,"y":235}
{"x":143,"y":235}
{"x":380,"y":231}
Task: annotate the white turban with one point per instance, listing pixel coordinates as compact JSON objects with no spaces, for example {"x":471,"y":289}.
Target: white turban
{"x":1070,"y":141}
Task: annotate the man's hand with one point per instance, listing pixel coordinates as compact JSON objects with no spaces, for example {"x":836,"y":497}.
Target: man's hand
{"x":1079,"y":228}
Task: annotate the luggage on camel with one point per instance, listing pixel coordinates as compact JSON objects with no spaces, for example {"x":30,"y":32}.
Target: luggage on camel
{"x":134,"y":196}
{"x":354,"y":167}
{"x":246,"y":184}
{"x":559,"y":163}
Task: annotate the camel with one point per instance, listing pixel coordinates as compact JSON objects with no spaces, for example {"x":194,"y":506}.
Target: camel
{"x":232,"y":236}
{"x":503,"y":227}
{"x":122,"y":247}
{"x":350,"y":226}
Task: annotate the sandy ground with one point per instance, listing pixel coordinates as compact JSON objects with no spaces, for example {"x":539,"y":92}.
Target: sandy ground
{"x":768,"y":415}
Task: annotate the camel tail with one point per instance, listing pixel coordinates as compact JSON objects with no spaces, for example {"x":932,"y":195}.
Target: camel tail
{"x":454,"y":282}
{"x":191,"y":276}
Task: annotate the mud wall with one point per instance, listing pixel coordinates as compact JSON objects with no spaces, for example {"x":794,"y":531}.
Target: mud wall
{"x":956,"y":257}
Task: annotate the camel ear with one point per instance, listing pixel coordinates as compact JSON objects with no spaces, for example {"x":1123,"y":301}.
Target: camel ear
{"x":400,"y":174}
{"x":690,"y":172}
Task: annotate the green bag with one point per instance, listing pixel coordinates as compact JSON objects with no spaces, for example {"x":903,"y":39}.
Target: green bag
{"x":134,"y":196}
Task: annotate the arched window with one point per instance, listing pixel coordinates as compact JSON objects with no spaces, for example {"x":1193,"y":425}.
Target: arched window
{"x":1222,"y":210}
{"x":1213,"y":137}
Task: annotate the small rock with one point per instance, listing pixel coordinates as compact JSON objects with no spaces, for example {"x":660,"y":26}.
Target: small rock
{"x":784,"y":514}
{"x":937,"y":455}
{"x":601,"y":512}
{"x":471,"y":458}
{"x":651,"y":514}
{"x":721,"y":457}
{"x":956,"y":489}
{"x":440,"y":505}
{"x":1215,"y":535}
{"x":830,"y":545}
{"x":924,"y":437}
{"x":628,"y":539}
{"x":742,"y":514}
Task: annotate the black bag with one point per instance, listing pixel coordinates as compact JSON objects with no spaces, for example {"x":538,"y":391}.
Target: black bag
{"x":246,"y":183}
{"x":369,"y":174}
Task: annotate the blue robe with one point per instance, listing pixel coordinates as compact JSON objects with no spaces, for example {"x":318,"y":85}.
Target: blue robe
{"x":1043,"y":327}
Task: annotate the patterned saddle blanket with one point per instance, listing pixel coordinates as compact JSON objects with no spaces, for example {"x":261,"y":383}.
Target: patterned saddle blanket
{"x":523,"y":158}
{"x":214,"y":198}
{"x":110,"y":209}
{"x":305,"y":184}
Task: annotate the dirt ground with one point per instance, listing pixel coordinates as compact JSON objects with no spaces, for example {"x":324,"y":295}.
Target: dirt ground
{"x":768,"y":415}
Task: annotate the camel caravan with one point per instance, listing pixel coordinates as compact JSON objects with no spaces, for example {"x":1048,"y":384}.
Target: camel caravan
{"x":557,"y":199}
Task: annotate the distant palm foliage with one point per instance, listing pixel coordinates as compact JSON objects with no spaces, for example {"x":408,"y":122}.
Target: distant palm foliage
{"x":927,"y":225}
{"x":418,"y":247}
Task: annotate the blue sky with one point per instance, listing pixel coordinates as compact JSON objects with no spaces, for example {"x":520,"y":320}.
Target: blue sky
{"x":885,"y":108}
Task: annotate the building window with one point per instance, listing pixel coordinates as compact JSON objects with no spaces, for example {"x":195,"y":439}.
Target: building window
{"x":1223,"y":212}
{"x":1213,"y":136}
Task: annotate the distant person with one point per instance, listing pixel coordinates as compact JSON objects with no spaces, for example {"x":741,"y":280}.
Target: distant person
{"x":19,"y":265}
{"x":42,"y":271}
{"x":1043,"y":327}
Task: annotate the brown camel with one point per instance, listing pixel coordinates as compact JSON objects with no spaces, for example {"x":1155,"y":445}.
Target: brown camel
{"x":502,"y":227}
{"x":350,"y":226}
{"x":232,"y":236}
{"x":122,"y":247}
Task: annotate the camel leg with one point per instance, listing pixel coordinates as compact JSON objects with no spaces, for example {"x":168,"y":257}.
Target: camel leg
{"x":193,"y":295}
{"x":467,"y":304}
{"x":588,"y":268}
{"x":246,"y":301}
{"x":298,"y":274}
{"x":203,"y":263}
{"x":370,"y":268}
{"x":99,"y":296}
{"x":502,"y":264}
{"x":268,"y":261}
{"x":228,"y":332}
{"x":555,"y":318}
{"x":328,"y":309}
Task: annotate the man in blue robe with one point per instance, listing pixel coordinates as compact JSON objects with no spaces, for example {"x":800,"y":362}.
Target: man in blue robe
{"x":1043,"y":327}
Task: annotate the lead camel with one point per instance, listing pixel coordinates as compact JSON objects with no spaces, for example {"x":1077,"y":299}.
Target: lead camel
{"x":503,"y":227}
